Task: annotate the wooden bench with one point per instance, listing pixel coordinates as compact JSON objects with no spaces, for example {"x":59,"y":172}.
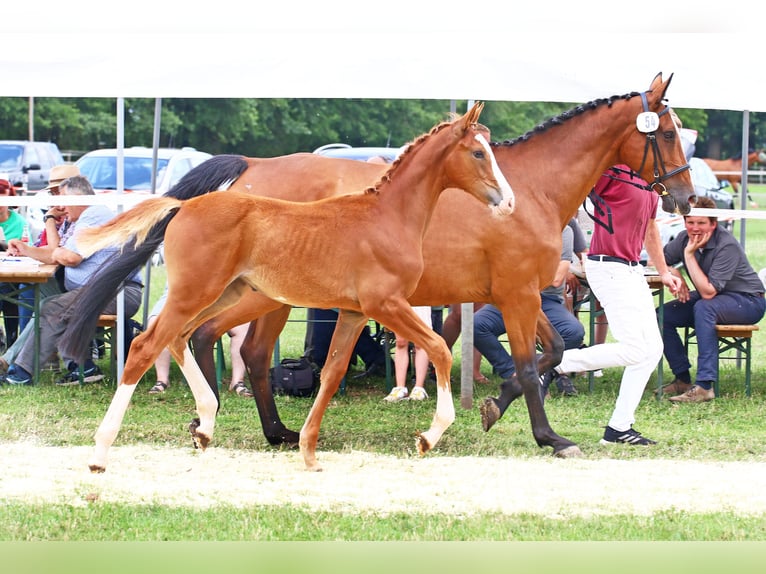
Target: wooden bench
{"x":730,"y":338}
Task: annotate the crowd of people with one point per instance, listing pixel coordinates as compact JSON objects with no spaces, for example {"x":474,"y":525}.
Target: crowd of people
{"x":705,"y":269}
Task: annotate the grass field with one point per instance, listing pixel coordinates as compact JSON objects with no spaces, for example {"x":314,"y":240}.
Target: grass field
{"x":728,"y":429}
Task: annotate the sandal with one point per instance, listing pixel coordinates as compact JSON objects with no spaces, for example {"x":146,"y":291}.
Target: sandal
{"x":158,"y":388}
{"x":242,"y":390}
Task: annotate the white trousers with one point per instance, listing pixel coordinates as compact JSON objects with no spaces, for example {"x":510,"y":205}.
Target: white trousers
{"x":629,"y":307}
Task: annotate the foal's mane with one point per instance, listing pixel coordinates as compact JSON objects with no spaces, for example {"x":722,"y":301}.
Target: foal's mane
{"x":416,"y":143}
{"x":567,"y":115}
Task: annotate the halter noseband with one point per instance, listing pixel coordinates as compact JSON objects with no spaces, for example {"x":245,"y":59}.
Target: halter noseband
{"x":648,"y":122}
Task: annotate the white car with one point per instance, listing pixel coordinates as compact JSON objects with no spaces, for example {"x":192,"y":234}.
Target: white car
{"x":100,"y":167}
{"x":389,"y":154}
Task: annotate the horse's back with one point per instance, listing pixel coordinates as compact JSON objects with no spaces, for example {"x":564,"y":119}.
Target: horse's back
{"x":307,"y":176}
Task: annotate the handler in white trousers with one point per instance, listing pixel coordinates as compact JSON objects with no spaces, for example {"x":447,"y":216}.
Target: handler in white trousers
{"x":624,"y":212}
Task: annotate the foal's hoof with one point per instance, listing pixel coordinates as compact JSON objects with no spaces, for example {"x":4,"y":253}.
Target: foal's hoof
{"x":490,"y":413}
{"x":568,"y":452}
{"x":422,"y":444}
{"x":97,"y":468}
{"x":199,"y":440}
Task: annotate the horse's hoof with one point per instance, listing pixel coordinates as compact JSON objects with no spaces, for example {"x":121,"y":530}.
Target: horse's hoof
{"x":287,"y":437}
{"x":199,"y":440}
{"x":97,"y":468}
{"x":569,"y":452}
{"x":490,"y":413}
{"x":422,"y":444}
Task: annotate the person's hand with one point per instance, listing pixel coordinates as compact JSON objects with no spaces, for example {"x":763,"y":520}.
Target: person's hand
{"x":57,"y":212}
{"x":672,"y":282}
{"x":697,"y":241}
{"x":572,"y":283}
{"x":683,"y":293}
{"x":16,"y":248}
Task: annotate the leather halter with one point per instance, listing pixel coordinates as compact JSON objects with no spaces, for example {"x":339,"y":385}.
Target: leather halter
{"x":660,"y":172}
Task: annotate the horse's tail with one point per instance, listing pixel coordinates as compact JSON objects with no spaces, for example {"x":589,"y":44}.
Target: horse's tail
{"x":216,"y":173}
{"x":143,"y":228}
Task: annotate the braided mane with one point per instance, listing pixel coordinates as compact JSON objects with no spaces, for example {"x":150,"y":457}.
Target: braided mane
{"x":418,"y":142}
{"x":567,"y":115}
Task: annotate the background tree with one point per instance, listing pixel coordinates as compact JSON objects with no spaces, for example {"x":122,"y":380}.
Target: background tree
{"x":270,"y":127}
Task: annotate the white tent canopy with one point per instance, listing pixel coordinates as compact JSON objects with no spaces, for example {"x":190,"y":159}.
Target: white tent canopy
{"x":572,"y":51}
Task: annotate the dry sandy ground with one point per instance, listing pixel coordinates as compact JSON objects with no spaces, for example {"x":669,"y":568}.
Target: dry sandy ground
{"x":363,"y":482}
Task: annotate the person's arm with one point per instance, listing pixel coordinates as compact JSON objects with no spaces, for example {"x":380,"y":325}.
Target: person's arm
{"x":44,"y":254}
{"x":696,"y":274}
{"x":562,"y":271}
{"x":653,"y":244}
{"x":66,"y":257}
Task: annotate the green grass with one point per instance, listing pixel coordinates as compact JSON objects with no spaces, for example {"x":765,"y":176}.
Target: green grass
{"x":728,"y":429}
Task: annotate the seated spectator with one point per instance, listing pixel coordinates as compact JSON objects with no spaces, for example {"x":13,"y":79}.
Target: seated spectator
{"x":727,"y":290}
{"x":12,"y":226}
{"x":402,"y":364}
{"x":55,"y":224}
{"x":77,"y":272}
{"x":489,"y":325}
{"x":238,"y":371}
{"x":319,"y":330}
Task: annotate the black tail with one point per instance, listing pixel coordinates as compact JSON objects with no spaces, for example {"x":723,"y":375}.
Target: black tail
{"x":104,"y":285}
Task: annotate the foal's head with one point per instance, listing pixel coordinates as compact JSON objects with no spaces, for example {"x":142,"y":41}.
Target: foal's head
{"x":461,"y":150}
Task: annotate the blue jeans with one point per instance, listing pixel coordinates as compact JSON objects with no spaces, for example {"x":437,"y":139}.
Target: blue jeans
{"x":702,"y":315}
{"x":488,"y":325}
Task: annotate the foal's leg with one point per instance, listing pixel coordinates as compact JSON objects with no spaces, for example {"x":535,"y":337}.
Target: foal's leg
{"x":400,"y":318}
{"x":206,"y":401}
{"x":347,"y":330}
{"x":143,"y":352}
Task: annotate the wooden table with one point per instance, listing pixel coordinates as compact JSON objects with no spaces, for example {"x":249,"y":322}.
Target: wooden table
{"x":658,"y":290}
{"x":32,"y":274}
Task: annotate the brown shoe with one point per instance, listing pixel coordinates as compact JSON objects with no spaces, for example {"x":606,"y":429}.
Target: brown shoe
{"x":677,"y":387}
{"x":695,"y":395}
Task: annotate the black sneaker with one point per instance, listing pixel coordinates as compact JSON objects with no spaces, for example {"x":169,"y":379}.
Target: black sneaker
{"x":90,"y":375}
{"x":629,"y":436}
{"x":565,"y":385}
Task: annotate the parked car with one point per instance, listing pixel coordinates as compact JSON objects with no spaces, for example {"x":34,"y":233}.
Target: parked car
{"x":27,"y":164}
{"x":359,"y":153}
{"x":706,"y":184}
{"x":100,"y":167}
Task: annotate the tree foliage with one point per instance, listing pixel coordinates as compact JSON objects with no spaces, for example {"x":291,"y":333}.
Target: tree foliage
{"x":270,"y":127}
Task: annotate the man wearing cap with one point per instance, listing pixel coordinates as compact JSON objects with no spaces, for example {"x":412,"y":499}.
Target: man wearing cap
{"x":54,"y":309}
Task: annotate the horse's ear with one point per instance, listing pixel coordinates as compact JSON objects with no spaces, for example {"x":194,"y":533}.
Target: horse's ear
{"x":659,"y":87}
{"x":472,"y":117}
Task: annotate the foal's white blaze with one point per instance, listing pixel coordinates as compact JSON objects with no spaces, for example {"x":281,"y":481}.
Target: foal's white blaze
{"x":506,"y":206}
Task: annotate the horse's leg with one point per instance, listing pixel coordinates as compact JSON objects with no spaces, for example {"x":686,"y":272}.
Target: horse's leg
{"x":402,"y":320}
{"x":257,"y":352}
{"x":269,"y":318}
{"x":347,"y":330}
{"x":143,"y":352}
{"x":526,"y":380}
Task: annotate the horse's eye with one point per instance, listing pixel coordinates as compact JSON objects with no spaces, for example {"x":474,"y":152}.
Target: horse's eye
{"x":669,"y":135}
{"x":478,"y":154}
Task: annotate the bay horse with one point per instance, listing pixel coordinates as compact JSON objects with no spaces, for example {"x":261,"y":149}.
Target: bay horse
{"x":469,"y":257}
{"x":334,"y":252}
